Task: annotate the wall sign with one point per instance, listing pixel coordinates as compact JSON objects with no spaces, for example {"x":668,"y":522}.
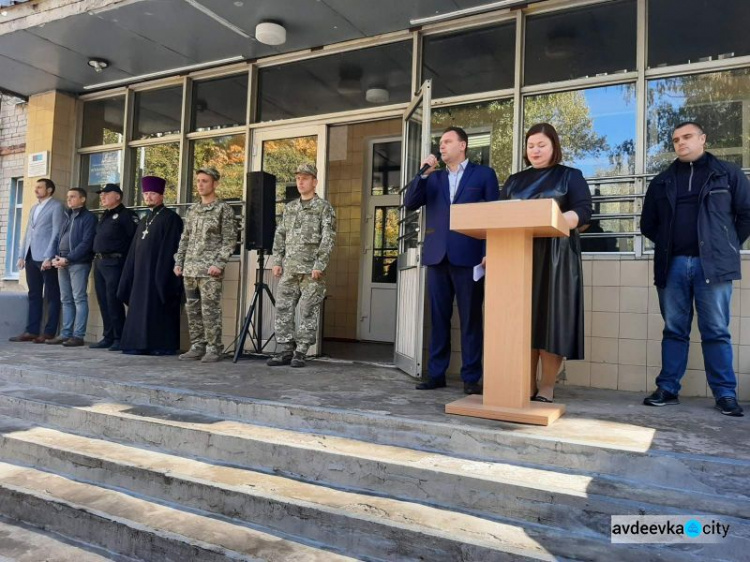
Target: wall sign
{"x":38,"y":165}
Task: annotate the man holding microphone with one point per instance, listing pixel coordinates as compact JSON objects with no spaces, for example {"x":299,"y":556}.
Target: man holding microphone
{"x":451,"y":256}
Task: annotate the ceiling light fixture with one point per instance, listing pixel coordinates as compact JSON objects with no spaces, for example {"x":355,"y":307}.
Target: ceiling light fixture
{"x":270,"y":33}
{"x":472,"y":11}
{"x":377,"y":95}
{"x":98,"y":64}
{"x":161,"y":73}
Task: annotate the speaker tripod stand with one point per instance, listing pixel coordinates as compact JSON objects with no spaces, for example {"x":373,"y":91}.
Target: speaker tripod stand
{"x":256,"y":305}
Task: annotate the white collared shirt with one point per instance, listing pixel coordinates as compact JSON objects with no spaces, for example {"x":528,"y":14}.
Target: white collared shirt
{"x":454,"y":178}
{"x":38,"y":209}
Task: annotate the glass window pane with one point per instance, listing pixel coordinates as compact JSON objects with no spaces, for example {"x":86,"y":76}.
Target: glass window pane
{"x":596,"y":127}
{"x":385,"y":245}
{"x":227,"y":155}
{"x":281,"y":158}
{"x":352,"y":80}
{"x":718,"y":101}
{"x":585,"y":42}
{"x":157,"y":113}
{"x":219,"y":103}
{"x":490,"y":129}
{"x":97,"y":170}
{"x":476,"y":60}
{"x":103,"y":121}
{"x":386,"y":167}
{"x":685,"y":31}
{"x":161,"y":160}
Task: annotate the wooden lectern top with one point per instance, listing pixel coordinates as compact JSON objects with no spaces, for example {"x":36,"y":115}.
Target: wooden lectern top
{"x":541,"y":217}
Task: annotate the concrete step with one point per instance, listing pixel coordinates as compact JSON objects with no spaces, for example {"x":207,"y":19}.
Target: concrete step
{"x":580,"y":502}
{"x":364,"y":526}
{"x":698,"y":473}
{"x":135,"y":528}
{"x":23,"y":543}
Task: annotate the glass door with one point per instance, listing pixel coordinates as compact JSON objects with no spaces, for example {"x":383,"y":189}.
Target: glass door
{"x":411,"y":274}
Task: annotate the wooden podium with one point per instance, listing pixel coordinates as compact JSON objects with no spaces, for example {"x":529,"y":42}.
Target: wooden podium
{"x":510,"y":228}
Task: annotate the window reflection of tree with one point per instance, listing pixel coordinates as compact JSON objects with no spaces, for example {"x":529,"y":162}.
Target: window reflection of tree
{"x":718,"y":100}
{"x":385,"y":245}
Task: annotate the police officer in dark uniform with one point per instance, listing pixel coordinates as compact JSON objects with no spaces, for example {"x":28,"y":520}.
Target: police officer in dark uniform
{"x":111,"y":244}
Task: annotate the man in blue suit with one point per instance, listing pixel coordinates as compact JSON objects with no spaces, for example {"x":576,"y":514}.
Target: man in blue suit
{"x":451,"y":257}
{"x":39,"y":247}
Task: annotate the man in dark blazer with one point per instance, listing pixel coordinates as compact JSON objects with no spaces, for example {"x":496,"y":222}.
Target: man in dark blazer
{"x":39,"y":247}
{"x":451,"y":257}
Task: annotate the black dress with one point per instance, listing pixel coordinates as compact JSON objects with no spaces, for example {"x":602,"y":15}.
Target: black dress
{"x":149,"y":286}
{"x":557,"y":287}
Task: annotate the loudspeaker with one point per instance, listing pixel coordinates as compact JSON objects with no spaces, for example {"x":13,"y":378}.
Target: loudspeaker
{"x":260,"y":211}
{"x":292,"y":192}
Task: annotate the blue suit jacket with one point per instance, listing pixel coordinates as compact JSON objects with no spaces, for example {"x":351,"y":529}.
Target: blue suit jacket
{"x":43,"y":233}
{"x":478,"y":183}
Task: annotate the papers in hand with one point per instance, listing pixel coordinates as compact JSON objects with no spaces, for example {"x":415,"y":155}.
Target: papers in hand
{"x":478,"y":272}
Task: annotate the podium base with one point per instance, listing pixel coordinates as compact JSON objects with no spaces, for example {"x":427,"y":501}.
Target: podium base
{"x":536,"y":413}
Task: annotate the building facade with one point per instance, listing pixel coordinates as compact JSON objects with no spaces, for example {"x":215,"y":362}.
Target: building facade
{"x":613,"y":76}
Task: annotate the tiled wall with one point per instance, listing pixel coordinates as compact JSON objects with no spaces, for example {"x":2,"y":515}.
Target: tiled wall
{"x":624,"y":330}
{"x":346,"y":182}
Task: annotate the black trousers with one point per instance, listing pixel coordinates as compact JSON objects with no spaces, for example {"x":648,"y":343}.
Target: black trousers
{"x":107,"y":273}
{"x":43,"y":286}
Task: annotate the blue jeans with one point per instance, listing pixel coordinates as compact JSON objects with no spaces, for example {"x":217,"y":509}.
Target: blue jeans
{"x":686,"y":283}
{"x":74,"y":281}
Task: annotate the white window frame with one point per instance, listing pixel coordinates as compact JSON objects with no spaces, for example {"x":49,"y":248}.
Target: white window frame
{"x":15,"y":213}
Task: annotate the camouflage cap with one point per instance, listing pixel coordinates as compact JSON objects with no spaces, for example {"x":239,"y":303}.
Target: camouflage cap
{"x":209,"y":171}
{"x":307,"y":168}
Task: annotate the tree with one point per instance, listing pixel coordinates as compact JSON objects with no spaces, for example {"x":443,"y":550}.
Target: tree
{"x":717,"y":100}
{"x":227,"y":155}
{"x":567,"y":111}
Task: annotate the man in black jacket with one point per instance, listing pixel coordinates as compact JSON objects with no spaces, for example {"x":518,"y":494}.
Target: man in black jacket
{"x":73,"y":263}
{"x":114,"y":233}
{"x":697,"y":212}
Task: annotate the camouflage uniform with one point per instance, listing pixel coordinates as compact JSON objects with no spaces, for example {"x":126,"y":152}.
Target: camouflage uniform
{"x":303,"y":242}
{"x":209,"y":238}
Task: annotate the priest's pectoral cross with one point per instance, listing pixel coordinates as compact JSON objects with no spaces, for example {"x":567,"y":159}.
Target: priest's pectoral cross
{"x":145,"y":233}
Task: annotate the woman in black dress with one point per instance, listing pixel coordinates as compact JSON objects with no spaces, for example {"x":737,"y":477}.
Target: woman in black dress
{"x":557,"y":288}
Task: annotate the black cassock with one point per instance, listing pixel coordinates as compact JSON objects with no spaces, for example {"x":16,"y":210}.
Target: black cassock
{"x":149,"y":286}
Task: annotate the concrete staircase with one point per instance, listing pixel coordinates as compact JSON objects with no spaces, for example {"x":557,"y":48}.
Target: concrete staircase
{"x":152,"y":473}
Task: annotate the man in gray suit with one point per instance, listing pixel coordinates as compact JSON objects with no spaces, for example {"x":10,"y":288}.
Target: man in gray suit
{"x":39,"y":247}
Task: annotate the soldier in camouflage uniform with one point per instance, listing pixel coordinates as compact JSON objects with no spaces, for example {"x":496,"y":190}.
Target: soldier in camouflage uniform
{"x":301,"y":250}
{"x":207,"y":242}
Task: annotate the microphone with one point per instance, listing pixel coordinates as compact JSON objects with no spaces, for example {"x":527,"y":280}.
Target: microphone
{"x":424,"y":168}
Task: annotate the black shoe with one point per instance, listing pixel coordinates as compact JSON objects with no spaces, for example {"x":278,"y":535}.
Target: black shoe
{"x":283,"y":358}
{"x":115,"y":346}
{"x":473,"y":388}
{"x":431,"y":384}
{"x":729,"y":407}
{"x":101,"y":344}
{"x":298,"y":360}
{"x":661,"y":397}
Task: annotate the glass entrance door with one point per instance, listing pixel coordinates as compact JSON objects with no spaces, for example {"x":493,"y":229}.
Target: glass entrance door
{"x":411,"y":274}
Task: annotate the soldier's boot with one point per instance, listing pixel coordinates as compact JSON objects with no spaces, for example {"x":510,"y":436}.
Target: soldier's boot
{"x":282,"y":358}
{"x":299,"y":359}
{"x":212,"y":355}
{"x":193,"y":354}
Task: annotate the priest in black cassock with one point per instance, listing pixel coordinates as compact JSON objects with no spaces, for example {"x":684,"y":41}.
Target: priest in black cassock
{"x":148,"y":284}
